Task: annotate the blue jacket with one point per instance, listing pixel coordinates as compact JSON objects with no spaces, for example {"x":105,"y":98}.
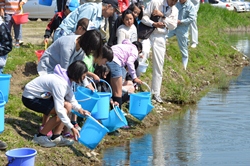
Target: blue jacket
{"x":91,"y":11}
{"x":186,"y":15}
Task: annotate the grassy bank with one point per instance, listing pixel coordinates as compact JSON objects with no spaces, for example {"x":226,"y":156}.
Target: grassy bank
{"x":212,"y":63}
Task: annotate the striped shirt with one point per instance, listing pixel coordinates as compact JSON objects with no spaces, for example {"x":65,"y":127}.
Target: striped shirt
{"x":11,"y":6}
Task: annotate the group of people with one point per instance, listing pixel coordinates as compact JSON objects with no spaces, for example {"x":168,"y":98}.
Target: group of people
{"x":78,"y":52}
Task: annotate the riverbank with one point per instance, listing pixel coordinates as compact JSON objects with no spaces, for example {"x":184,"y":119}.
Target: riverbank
{"x":213,"y":63}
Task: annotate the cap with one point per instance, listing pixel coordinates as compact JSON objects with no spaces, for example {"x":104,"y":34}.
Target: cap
{"x":72,"y":4}
{"x":114,"y":3}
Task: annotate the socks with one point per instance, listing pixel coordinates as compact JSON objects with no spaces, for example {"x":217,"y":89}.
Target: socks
{"x":40,"y":134}
{"x":54,"y":136}
{"x":118,"y":100}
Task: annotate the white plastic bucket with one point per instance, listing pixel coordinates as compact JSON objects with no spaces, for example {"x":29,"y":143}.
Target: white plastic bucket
{"x":142,"y":68}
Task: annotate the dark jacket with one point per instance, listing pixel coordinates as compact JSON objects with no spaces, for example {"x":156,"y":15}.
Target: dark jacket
{"x":5,"y":39}
{"x":54,"y":24}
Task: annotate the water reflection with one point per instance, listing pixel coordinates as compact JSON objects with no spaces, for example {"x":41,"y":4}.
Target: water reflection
{"x":213,"y":132}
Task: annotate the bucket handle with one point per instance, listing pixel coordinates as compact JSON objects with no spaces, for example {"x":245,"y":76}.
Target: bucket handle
{"x":84,"y":99}
{"x":21,"y":11}
{"x":92,"y":83}
{"x":45,"y":45}
{"x":144,"y":83}
{"x":89,"y":116}
{"x":101,"y":80}
{"x":115,"y":109}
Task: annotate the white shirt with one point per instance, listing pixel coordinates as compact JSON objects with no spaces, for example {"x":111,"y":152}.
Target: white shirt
{"x":123,"y":32}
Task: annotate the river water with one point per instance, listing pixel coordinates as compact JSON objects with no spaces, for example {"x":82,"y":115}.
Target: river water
{"x":216,"y":131}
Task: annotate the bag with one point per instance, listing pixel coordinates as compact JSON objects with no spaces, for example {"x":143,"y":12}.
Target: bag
{"x":145,"y":31}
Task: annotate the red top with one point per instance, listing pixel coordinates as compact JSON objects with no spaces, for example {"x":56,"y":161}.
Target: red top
{"x":123,"y":4}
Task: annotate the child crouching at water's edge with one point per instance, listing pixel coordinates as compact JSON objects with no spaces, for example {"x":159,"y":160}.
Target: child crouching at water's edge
{"x":52,"y":94}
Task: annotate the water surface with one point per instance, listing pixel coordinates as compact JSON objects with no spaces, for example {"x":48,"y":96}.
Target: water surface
{"x":216,"y":131}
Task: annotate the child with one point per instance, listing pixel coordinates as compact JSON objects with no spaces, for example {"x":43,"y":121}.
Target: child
{"x":125,"y":54}
{"x":5,"y":44}
{"x":137,"y":12}
{"x":70,"y":6}
{"x":52,"y":94}
{"x":127,"y":30}
{"x":65,"y":51}
{"x":7,"y":9}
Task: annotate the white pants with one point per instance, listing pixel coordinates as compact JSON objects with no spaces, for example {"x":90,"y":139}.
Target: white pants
{"x":193,"y":29}
{"x":158,"y":42}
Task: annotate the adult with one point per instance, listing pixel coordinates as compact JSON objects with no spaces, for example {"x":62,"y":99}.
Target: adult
{"x":185,"y":18}
{"x":168,"y":13}
{"x":193,"y":29}
{"x":94,"y":12}
{"x":7,"y":9}
{"x":52,"y":94}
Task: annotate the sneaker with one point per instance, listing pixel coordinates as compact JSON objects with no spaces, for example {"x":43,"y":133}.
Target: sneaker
{"x":17,"y":45}
{"x":49,"y":134}
{"x":43,"y":141}
{"x":193,"y":45}
{"x":20,"y":42}
{"x":3,"y":145}
{"x":157,"y":99}
{"x":60,"y":141}
{"x":76,"y":126}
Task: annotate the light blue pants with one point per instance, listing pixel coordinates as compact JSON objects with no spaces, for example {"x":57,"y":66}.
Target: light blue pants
{"x":17,"y":27}
{"x":182,"y":38}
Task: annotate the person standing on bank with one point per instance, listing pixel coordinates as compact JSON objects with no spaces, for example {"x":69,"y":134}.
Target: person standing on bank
{"x":193,"y":29}
{"x":7,"y":9}
{"x":186,"y":17}
{"x":168,"y":13}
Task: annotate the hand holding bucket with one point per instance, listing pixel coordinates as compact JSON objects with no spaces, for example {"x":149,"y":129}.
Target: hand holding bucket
{"x":39,"y":53}
{"x":21,"y":17}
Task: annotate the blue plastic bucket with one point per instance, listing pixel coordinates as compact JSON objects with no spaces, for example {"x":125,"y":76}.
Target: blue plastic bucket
{"x":86,"y":98}
{"x":2,"y":104}
{"x":21,"y":157}
{"x":5,"y":85}
{"x":140,"y":116}
{"x":45,"y":2}
{"x":101,"y":110}
{"x":116,"y":120}
{"x":92,"y":133}
{"x":139,"y":103}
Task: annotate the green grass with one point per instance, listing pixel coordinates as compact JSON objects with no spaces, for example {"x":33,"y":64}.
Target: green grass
{"x":206,"y":68}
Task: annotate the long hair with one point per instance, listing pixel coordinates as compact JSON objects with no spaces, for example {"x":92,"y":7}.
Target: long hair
{"x":91,"y":42}
{"x":76,"y":70}
{"x":107,"y":53}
